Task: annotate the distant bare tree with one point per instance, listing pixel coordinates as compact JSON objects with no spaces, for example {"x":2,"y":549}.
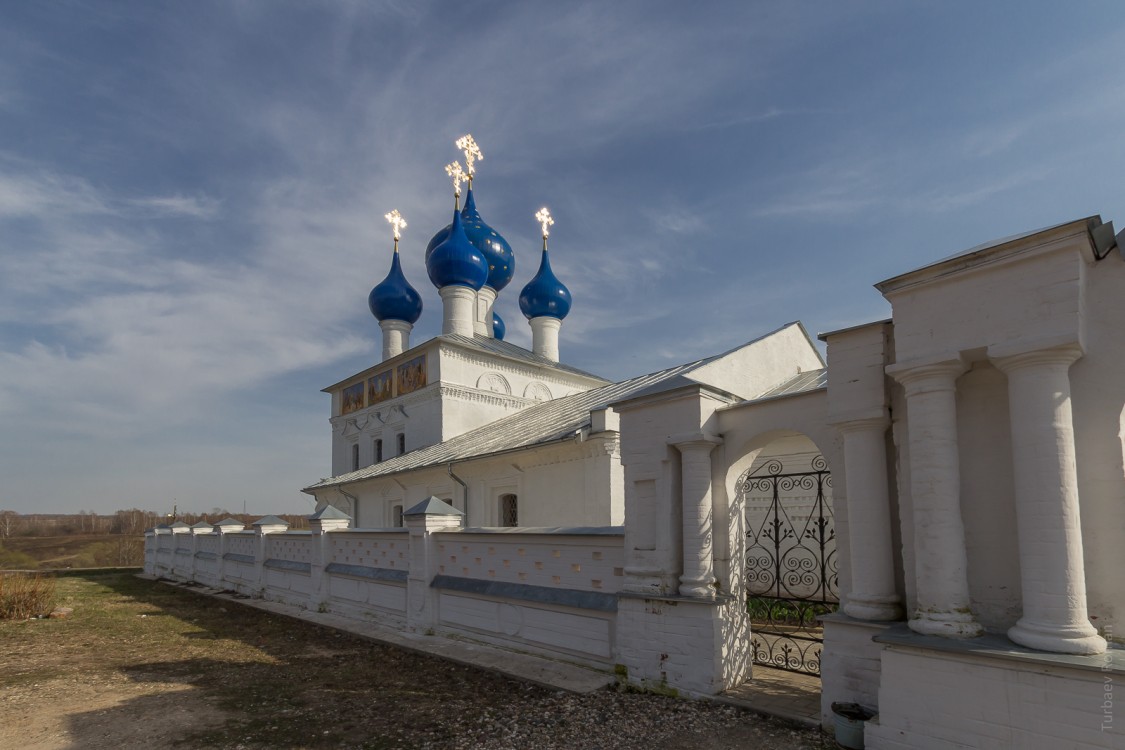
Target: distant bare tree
{"x":7,"y":523}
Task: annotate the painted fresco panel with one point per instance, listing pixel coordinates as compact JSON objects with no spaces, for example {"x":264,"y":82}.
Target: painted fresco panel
{"x":352,"y":398}
{"x":411,"y":375}
{"x":380,"y":388}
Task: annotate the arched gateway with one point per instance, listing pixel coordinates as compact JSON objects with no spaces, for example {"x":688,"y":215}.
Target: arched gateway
{"x":792,"y":570}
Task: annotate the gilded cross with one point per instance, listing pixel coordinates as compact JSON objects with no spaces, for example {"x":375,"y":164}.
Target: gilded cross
{"x":472,"y":154}
{"x":397,"y":223}
{"x":545,"y":220}
{"x":455,"y":171}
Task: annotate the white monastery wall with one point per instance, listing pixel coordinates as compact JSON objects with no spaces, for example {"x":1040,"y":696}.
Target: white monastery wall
{"x":941,"y":701}
{"x":1098,"y":396}
{"x":548,"y":592}
{"x":1034,"y":297}
{"x":988,"y":496}
{"x":551,"y":591}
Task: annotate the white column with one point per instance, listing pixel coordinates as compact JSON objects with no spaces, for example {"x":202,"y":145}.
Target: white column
{"x":486,"y":298}
{"x":940,"y":561}
{"x":545,"y":337}
{"x":457,"y":309}
{"x":1052,"y":570}
{"x":396,"y":337}
{"x":873,"y":595}
{"x":698,"y":577}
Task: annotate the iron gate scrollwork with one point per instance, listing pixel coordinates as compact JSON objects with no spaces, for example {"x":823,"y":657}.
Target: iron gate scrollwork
{"x":791,"y":568}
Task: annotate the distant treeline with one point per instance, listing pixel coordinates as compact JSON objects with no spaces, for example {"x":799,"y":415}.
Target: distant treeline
{"x":131,"y":522}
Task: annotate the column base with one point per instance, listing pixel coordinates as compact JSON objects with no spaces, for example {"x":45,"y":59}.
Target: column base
{"x":1072,"y":640}
{"x":946,"y":624}
{"x":700,"y":589}
{"x":873,"y":607}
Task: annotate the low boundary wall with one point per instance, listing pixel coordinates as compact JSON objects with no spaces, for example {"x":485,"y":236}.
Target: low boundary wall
{"x":551,"y":591}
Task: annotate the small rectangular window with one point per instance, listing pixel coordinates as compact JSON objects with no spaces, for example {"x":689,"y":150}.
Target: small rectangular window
{"x":378,"y":451}
{"x":509,"y":510}
{"x":401,"y":443}
{"x":398,"y":516}
{"x":355,"y":456}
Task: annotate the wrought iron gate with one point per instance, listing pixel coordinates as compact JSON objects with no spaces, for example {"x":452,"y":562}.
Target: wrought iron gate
{"x":791,"y":567}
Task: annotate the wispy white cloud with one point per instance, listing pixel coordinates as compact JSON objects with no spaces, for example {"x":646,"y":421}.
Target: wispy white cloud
{"x":195,"y":207}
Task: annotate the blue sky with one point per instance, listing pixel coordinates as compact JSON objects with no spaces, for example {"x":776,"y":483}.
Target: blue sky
{"x":191,"y":196}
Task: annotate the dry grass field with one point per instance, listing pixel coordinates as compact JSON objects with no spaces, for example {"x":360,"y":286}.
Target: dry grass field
{"x":142,"y":664}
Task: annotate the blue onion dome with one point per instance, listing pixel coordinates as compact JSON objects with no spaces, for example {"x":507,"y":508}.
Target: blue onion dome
{"x":441,"y":236}
{"x":545,"y":295}
{"x":496,"y":250}
{"x":456,"y":261}
{"x":393,"y":298}
{"x":498,"y":327}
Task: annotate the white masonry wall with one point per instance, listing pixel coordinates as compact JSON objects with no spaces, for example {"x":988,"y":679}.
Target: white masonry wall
{"x":550,"y":591}
{"x":944,"y":701}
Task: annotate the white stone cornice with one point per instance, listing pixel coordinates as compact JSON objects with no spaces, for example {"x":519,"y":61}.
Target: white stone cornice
{"x":465,"y":393}
{"x":697,"y":438}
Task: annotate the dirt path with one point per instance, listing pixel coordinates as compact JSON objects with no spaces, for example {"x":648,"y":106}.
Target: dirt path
{"x":140,"y":664}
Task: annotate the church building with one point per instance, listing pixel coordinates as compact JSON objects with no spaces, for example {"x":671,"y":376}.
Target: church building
{"x":510,"y":437}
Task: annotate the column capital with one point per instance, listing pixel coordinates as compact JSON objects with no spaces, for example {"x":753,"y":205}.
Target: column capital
{"x":697,"y":440}
{"x":934,"y":375}
{"x":1009,"y":360}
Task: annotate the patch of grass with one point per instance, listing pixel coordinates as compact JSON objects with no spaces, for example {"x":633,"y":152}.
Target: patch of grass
{"x":24,"y":595}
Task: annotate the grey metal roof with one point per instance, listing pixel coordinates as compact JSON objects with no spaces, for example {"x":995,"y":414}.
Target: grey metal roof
{"x":503,"y":348}
{"x":330,"y":513}
{"x":800,"y":383}
{"x":543,"y":423}
{"x":270,"y":521}
{"x":1090,"y":221}
{"x":433,"y":506}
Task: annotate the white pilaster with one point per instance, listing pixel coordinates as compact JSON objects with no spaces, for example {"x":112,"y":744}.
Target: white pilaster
{"x":873,"y":595}
{"x":421,"y":523}
{"x":1052,"y":570}
{"x":396,"y":337}
{"x":698,"y":578}
{"x":486,"y":299}
{"x":941,"y":562}
{"x":458,"y":303}
{"x":545,"y":337}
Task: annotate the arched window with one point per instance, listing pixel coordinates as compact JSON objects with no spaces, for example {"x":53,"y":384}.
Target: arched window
{"x":397,"y":513}
{"x":509,"y":510}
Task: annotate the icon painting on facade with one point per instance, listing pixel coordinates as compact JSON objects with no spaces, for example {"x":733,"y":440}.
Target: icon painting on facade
{"x":412,"y":375}
{"x":352,"y":398}
{"x":380,"y":387}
